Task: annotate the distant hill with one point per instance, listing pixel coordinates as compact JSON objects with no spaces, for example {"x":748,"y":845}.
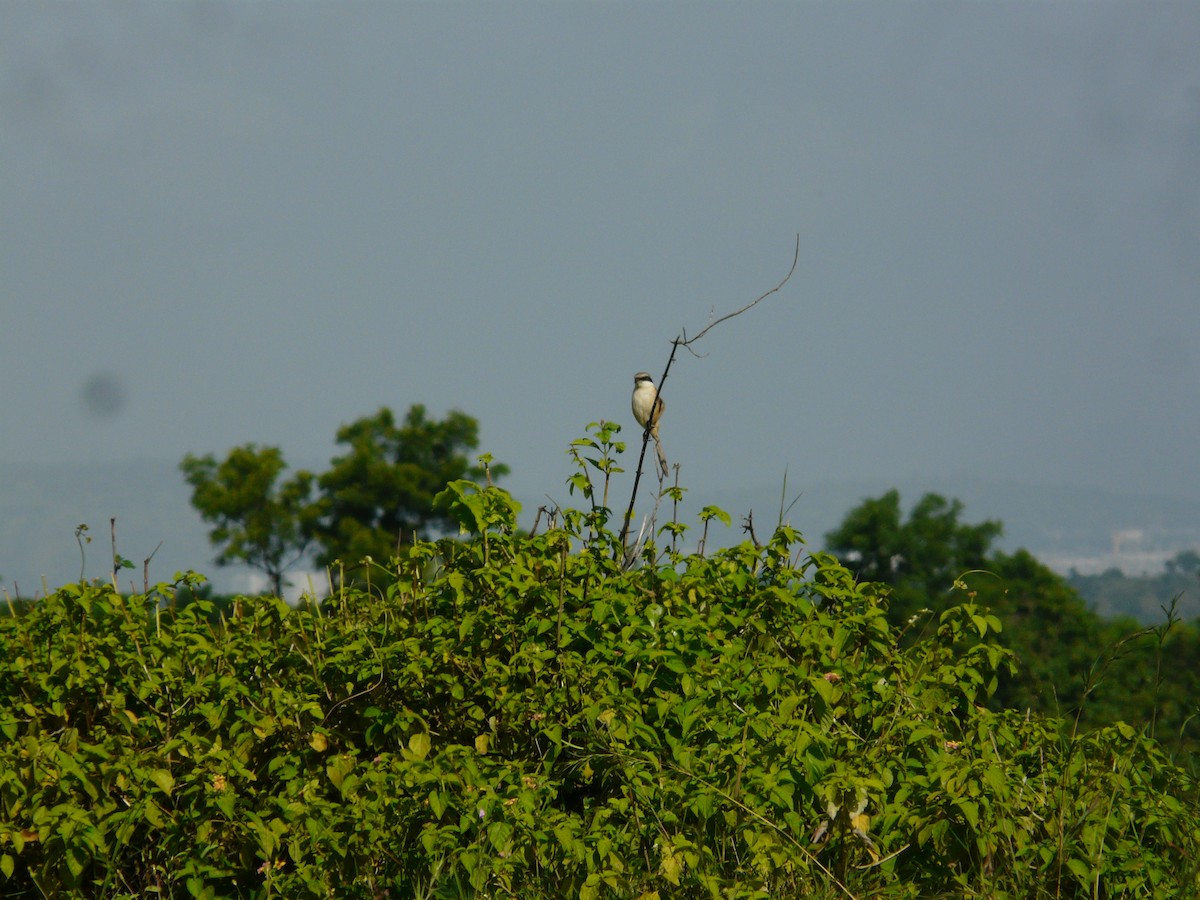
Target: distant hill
{"x":1065,"y":527}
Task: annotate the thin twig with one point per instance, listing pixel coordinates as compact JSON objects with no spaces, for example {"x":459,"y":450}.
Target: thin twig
{"x":116,"y":568}
{"x":146,"y":569}
{"x":684,"y":341}
{"x":755,"y":302}
{"x":783,"y":511}
{"x":748,"y":527}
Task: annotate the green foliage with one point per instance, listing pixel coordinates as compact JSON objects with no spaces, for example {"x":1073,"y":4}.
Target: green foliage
{"x":379,"y":494}
{"x":921,"y":557}
{"x":257,"y":521}
{"x":375,"y":495}
{"x":525,"y":716}
{"x":1046,"y":624}
{"x":1157,"y":671}
{"x":1070,"y":661}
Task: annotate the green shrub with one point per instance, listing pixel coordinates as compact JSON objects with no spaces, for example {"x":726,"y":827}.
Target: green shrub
{"x":525,"y":716}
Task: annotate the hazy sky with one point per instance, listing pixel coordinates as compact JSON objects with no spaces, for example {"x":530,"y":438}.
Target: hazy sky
{"x":223,"y":223}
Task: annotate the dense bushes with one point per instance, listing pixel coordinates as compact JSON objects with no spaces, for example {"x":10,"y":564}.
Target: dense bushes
{"x":517,"y":716}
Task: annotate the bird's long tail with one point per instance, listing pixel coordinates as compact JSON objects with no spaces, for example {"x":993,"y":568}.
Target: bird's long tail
{"x":662,"y":457}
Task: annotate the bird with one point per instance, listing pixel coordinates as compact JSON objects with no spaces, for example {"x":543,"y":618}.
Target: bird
{"x":646,"y":400}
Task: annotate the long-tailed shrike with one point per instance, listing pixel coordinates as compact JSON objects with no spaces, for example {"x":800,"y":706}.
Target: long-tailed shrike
{"x":646,"y":400}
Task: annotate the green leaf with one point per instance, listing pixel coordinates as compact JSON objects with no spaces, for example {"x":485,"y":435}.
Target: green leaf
{"x":1080,"y":870}
{"x":164,"y":779}
{"x":715,"y":512}
{"x":74,"y":863}
{"x":419,"y":745}
{"x":671,"y":865}
{"x":437,"y":803}
{"x":970,"y":810}
{"x":590,"y":889}
{"x":500,"y":835}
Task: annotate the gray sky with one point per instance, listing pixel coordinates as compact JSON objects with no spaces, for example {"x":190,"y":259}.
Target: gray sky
{"x":223,"y":223}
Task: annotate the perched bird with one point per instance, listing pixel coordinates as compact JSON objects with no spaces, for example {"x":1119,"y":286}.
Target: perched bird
{"x":649,"y":407}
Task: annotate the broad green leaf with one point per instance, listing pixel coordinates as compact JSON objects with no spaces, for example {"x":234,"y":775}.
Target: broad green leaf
{"x":419,"y":745}
{"x":164,"y":779}
{"x":671,"y":865}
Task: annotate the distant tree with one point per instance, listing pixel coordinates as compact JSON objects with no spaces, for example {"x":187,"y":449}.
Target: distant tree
{"x":379,"y":493}
{"x":1186,"y":562}
{"x":921,"y":557}
{"x":257,"y":520}
{"x":1144,"y":597}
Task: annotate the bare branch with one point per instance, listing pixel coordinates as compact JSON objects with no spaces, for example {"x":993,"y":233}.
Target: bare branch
{"x":751,"y":304}
{"x":748,"y":527}
{"x":146,"y":569}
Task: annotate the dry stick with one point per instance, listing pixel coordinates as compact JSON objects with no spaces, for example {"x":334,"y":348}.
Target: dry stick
{"x":146,"y":569}
{"x":116,"y":569}
{"x":684,"y":341}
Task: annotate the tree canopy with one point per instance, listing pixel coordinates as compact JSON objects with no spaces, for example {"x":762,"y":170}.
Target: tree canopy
{"x":379,"y":493}
{"x":375,"y":496}
{"x":919,"y":558}
{"x":257,"y":520}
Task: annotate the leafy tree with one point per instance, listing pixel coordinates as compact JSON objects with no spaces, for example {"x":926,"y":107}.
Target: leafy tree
{"x":919,"y":558}
{"x":1045,"y":622}
{"x":258,"y":520}
{"x":379,"y":493}
{"x":1049,"y":627}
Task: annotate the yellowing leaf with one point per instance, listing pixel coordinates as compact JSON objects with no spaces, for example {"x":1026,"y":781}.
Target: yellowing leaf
{"x":419,"y":745}
{"x":481,"y":744}
{"x":154,"y":815}
{"x":590,"y":889}
{"x":318,"y":742}
{"x":671,"y":865}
